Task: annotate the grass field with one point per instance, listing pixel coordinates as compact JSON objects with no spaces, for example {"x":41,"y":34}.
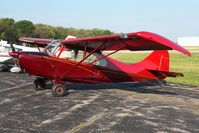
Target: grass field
{"x":192,"y":47}
{"x":189,"y":66}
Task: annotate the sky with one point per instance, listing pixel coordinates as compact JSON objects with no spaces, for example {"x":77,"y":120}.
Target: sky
{"x":170,"y":18}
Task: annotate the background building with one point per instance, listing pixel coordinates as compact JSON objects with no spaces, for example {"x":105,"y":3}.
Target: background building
{"x":188,"y":41}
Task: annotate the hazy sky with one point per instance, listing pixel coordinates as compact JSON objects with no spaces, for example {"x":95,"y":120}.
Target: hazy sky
{"x":171,"y":18}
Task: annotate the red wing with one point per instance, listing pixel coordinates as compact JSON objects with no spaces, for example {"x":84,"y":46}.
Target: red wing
{"x":132,"y":41}
{"x":35,"y":40}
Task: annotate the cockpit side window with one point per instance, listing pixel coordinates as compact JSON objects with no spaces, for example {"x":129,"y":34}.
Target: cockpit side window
{"x":66,"y":54}
{"x":78,"y":55}
{"x":74,"y":54}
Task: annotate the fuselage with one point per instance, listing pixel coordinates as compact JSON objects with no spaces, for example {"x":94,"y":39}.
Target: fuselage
{"x":108,"y":70}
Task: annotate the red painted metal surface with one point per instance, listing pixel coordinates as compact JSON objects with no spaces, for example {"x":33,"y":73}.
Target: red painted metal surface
{"x":131,"y":41}
{"x":38,"y":42}
{"x":33,"y":40}
{"x":116,"y":71}
{"x":153,"y":67}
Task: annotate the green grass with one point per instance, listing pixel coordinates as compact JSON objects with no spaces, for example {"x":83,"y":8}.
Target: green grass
{"x":189,"y":66}
{"x":192,"y":47}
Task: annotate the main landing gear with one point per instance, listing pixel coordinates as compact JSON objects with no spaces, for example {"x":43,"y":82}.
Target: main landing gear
{"x":4,"y":67}
{"x":39,"y":84}
{"x":58,"y":90}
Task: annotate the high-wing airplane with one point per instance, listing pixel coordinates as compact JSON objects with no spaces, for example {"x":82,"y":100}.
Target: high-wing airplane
{"x":81,"y":60}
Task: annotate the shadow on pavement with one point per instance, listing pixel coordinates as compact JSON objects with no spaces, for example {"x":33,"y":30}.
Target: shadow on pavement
{"x":150,"y":87}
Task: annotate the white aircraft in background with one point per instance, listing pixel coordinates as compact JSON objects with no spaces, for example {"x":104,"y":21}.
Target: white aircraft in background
{"x":6,"y":61}
{"x":35,"y":45}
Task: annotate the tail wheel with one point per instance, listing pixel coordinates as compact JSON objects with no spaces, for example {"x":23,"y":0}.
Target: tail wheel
{"x":59,"y":90}
{"x":39,"y":84}
{"x":163,"y":82}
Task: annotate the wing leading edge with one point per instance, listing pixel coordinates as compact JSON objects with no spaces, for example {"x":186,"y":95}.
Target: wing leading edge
{"x":132,"y":41}
{"x":35,"y":40}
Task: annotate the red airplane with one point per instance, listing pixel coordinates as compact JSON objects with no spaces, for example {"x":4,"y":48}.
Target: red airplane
{"x":81,"y":60}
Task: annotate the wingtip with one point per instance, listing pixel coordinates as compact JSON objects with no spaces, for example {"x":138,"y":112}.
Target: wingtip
{"x":186,"y":52}
{"x":183,"y":50}
{"x":165,"y":41}
{"x":189,"y":53}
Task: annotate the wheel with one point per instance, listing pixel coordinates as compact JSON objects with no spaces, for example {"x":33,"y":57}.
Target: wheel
{"x":163,"y":82}
{"x":59,"y":90}
{"x":4,"y":68}
{"x":39,"y":84}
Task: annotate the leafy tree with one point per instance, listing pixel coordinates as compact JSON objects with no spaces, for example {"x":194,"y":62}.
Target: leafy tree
{"x":7,"y":32}
{"x":107,"y":32}
{"x":44,"y":31}
{"x":25,"y":28}
{"x":9,"y":21}
{"x":72,"y":31}
{"x":11,"y":30}
{"x":99,"y":32}
{"x":83,"y":33}
{"x":60,"y":32}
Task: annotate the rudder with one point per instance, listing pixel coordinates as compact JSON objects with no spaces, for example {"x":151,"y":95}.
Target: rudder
{"x":158,"y":60}
{"x":158,"y":64}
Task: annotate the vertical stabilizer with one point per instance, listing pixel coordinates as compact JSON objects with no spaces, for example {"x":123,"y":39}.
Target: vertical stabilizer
{"x":159,"y":60}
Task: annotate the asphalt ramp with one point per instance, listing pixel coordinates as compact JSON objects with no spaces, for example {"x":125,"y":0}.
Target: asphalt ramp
{"x":113,"y":108}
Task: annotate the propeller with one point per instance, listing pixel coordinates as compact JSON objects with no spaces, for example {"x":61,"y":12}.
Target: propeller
{"x":12,"y":47}
{"x":15,"y":56}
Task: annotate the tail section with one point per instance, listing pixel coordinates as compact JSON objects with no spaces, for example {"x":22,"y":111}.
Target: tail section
{"x":158,"y":60}
{"x":157,"y":63}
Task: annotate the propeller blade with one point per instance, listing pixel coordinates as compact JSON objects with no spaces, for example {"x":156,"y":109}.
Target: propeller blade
{"x":15,"y":56}
{"x":12,"y":47}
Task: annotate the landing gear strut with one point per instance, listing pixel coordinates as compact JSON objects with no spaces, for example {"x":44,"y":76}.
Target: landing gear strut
{"x":59,"y":90}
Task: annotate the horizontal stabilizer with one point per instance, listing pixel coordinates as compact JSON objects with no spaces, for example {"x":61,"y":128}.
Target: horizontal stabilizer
{"x":162,"y":74}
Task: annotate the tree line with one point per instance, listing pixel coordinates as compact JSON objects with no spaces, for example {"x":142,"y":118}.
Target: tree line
{"x":10,"y":30}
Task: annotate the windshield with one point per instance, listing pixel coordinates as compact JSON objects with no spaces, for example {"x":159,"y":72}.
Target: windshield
{"x":55,"y":49}
{"x":52,"y":47}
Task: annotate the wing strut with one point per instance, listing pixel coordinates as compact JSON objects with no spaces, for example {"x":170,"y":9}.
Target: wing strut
{"x":104,"y":56}
{"x":35,"y":43}
{"x":85,"y":48}
{"x":84,"y":58}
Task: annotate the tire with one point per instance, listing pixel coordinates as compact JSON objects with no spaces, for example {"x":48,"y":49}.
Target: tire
{"x":39,"y":84}
{"x":163,"y":82}
{"x":4,"y":68}
{"x":59,"y":90}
